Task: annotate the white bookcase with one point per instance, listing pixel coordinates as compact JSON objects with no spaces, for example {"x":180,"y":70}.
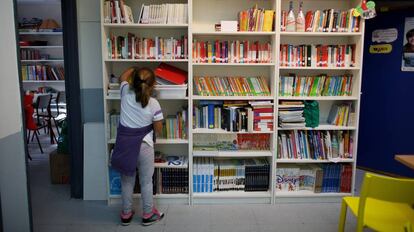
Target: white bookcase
{"x":202,"y":17}
{"x":54,"y":48}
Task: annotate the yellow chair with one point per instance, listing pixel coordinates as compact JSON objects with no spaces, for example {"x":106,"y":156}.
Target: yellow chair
{"x":384,"y":204}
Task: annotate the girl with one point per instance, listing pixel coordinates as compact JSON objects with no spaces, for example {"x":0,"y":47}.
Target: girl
{"x":140,"y":115}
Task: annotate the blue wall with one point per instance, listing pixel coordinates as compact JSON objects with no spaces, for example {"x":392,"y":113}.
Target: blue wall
{"x":387,"y":105}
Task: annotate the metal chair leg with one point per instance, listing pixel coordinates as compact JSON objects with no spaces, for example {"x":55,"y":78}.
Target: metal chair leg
{"x":38,"y":142}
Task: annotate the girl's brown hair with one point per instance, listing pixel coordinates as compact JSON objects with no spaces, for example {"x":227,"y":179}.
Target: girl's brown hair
{"x":143,"y":83}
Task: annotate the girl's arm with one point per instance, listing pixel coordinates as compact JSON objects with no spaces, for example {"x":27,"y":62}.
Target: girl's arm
{"x":158,"y":127}
{"x":126,"y":74}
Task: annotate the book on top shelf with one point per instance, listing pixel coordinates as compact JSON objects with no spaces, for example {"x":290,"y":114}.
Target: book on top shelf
{"x":116,"y":11}
{"x":328,"y":20}
{"x":256,"y":19}
{"x":164,"y":14}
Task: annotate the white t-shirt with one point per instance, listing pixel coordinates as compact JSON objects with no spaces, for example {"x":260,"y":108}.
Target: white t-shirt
{"x":134,"y":116}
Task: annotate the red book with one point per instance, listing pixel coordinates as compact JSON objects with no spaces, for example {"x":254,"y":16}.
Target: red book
{"x":308,"y":21}
{"x":171,"y":74}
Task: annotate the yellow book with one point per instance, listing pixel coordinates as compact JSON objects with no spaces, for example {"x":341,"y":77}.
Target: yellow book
{"x":210,"y":52}
{"x":268,"y":20}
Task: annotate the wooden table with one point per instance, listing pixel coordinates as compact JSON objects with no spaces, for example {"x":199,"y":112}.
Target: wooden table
{"x":407,"y":160}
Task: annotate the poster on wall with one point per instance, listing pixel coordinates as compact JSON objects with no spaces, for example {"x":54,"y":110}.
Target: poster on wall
{"x":408,"y":47}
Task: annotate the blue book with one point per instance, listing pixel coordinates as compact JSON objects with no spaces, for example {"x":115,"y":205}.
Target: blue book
{"x":211,"y":116}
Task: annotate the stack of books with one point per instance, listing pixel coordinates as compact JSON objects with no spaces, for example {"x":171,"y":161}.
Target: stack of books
{"x":291,"y":114}
{"x":113,"y":118}
{"x":171,"y":82}
{"x":317,"y":55}
{"x":231,"y":142}
{"x":262,"y":115}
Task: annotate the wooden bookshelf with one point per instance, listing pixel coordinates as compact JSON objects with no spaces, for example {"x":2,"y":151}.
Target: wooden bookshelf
{"x":202,"y":16}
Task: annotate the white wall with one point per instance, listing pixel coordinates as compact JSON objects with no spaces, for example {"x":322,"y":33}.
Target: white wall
{"x":90,"y":71}
{"x":13,"y":179}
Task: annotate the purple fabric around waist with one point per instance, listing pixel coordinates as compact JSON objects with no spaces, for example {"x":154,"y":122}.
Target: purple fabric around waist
{"x":127,"y":147}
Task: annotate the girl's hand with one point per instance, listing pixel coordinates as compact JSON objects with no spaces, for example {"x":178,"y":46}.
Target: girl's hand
{"x":127,"y":74}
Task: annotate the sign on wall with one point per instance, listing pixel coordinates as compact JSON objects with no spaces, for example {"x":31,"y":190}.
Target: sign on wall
{"x":408,"y":45}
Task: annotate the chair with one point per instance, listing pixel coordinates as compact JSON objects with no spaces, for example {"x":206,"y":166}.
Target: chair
{"x":43,"y":114}
{"x":384,"y":204}
{"x":30,"y":124}
{"x":59,"y":114}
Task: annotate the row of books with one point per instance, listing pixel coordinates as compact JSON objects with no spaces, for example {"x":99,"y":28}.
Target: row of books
{"x":42,"y":73}
{"x":132,"y":47}
{"x":211,"y":175}
{"x":236,"y":51}
{"x":231,"y":86}
{"x":256,"y":19}
{"x":113,"y":118}
{"x":175,"y":126}
{"x":170,"y":176}
{"x":320,"y":85}
{"x":31,"y":54}
{"x":116,"y":11}
{"x":235,"y":116}
{"x":164,"y":14}
{"x":329,"y":20}
{"x":317,"y":145}
{"x":325,"y":178}
{"x":230,"y":142}
{"x":317,"y":55}
{"x":341,"y":114}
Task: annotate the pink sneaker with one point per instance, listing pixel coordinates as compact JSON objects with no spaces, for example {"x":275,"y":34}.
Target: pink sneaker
{"x":127,"y":218}
{"x":149,"y":219}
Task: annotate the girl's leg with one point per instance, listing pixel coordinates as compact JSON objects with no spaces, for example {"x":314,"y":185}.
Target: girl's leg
{"x":128,"y":183}
{"x":146,"y":170}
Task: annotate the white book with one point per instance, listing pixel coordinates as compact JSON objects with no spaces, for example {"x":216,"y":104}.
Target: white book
{"x":140,"y":14}
{"x":118,"y":12}
{"x":107,"y":11}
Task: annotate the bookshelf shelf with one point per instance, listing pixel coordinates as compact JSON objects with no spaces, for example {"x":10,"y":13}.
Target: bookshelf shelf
{"x":319,"y":68}
{"x":233,"y":98}
{"x":280,"y":161}
{"x":41,"y":61}
{"x":118,"y":98}
{"x":322,"y":98}
{"x":244,"y":33}
{"x":231,"y":194}
{"x":161,"y":141}
{"x":27,"y":81}
{"x":320,"y":34}
{"x":40,"y":33}
{"x":137,"y":25}
{"x":156,"y":196}
{"x":303,"y":193}
{"x":145,"y":60}
{"x":321,"y":127}
{"x":259,"y":153}
{"x":234,"y":64}
{"x":220,"y":131}
{"x":44,"y":47}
